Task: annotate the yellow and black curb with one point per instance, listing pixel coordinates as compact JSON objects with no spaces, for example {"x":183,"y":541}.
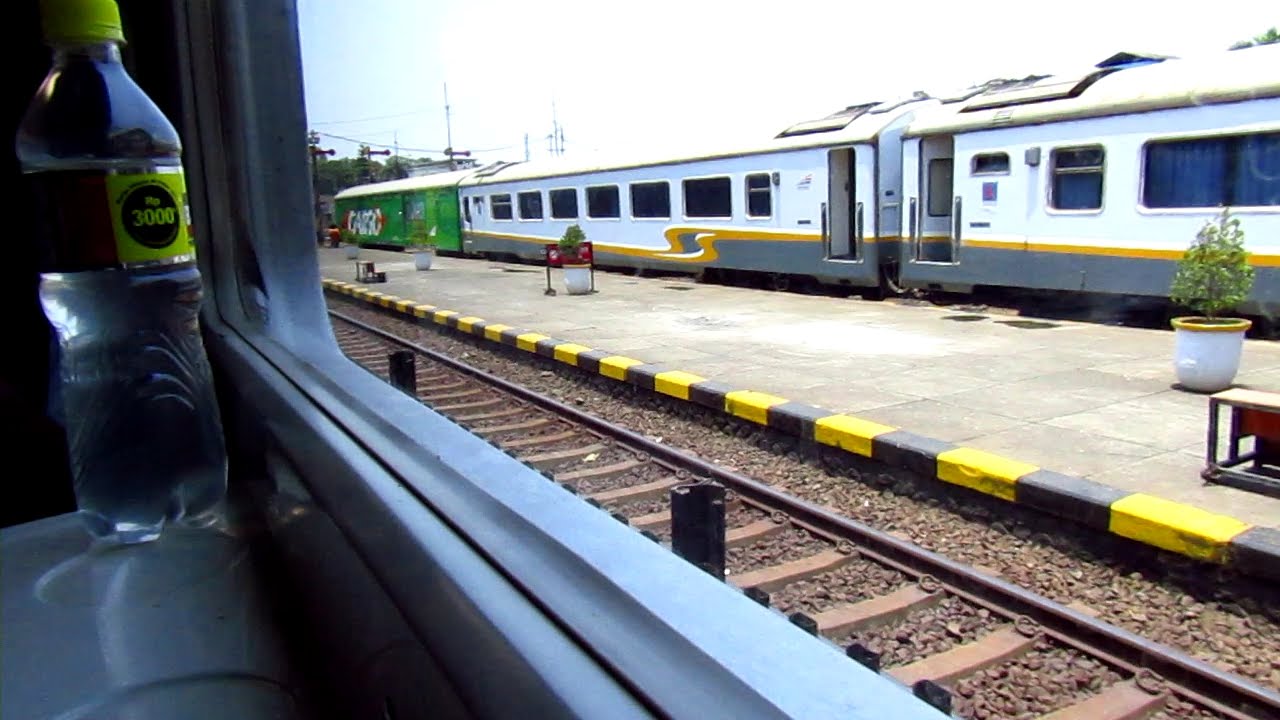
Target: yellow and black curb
{"x":1165,"y":524}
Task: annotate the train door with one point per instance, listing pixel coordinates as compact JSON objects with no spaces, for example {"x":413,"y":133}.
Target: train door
{"x":937,"y":237}
{"x":844,"y":212}
{"x":413,"y":211}
{"x":846,"y":218}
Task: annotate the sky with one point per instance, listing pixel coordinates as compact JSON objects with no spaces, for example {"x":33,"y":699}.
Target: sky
{"x":661,"y":76}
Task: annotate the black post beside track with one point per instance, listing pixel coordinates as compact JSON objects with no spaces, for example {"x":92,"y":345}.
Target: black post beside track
{"x":402,"y":371}
{"x":697,"y":526}
{"x":1231,"y":695}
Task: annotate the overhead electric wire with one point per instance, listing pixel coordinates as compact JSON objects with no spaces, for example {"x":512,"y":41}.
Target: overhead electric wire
{"x":375,"y":117}
{"x":401,"y":147}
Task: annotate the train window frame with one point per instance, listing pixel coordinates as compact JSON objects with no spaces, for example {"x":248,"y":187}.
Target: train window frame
{"x":497,"y":200}
{"x":617,"y":201}
{"x":747,"y":190}
{"x":551,"y":201}
{"x":466,"y":208}
{"x":684,"y":196}
{"x":975,"y":171}
{"x":1054,"y":171}
{"x":520,"y":206}
{"x":479,"y":570}
{"x":1227,"y":133}
{"x":645,"y":185}
{"x":933,"y":196}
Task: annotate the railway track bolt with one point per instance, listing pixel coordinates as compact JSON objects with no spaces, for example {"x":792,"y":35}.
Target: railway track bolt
{"x":1150,"y":682}
{"x":844,"y":547}
{"x":778,"y":517}
{"x":1026,"y":626}
{"x":804,"y":622}
{"x":934,"y":694}
{"x":929,"y":584}
{"x":864,"y":656}
{"x":697,"y":526}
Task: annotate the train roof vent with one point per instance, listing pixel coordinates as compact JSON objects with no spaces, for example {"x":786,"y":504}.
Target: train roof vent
{"x":494,"y":168}
{"x":891,"y":105}
{"x":1032,"y":89}
{"x":835,"y":121}
{"x":1123,"y":60}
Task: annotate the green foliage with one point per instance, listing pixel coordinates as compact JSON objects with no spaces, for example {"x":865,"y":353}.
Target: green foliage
{"x":1272,"y":35}
{"x":333,"y":175}
{"x":347,"y":237}
{"x":1214,"y":274}
{"x":572,"y":238}
{"x":420,"y":236}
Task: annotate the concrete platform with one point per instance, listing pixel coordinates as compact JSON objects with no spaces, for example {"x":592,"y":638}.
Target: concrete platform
{"x":1085,"y":400}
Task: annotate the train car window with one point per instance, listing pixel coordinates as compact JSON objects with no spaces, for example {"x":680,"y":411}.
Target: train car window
{"x":1241,"y":170}
{"x":530,"y":205}
{"x":651,"y":200}
{"x":759,"y":196}
{"x":990,"y":164}
{"x":564,"y":204}
{"x":1077,"y":178}
{"x":602,"y":202}
{"x":501,"y":205}
{"x":708,"y":197}
{"x":466,"y":209}
{"x":940,"y":181}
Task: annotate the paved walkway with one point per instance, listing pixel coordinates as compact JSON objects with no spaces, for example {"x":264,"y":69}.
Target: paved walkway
{"x":1082,"y":399}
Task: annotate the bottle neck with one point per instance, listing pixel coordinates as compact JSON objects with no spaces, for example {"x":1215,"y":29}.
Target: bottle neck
{"x":104,"y":51}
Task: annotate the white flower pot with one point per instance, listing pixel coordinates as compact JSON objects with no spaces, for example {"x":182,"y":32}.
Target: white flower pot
{"x":352,"y":251}
{"x":577,"y":279}
{"x":1206,"y":354}
{"x":422,"y":259}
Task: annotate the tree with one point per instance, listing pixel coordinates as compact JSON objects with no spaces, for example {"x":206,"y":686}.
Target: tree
{"x":1266,"y":38}
{"x":335,"y":175}
{"x":1214,"y":274}
{"x":396,"y":168}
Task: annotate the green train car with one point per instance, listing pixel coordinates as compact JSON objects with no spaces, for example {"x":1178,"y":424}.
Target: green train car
{"x":386,"y":214}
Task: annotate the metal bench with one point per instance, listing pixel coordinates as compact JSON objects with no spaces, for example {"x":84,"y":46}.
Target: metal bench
{"x":1254,"y":414}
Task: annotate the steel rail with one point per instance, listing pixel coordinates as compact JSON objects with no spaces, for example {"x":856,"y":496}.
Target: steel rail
{"x":1229,"y":694}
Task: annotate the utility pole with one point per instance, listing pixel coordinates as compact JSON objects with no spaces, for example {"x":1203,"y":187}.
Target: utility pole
{"x":315,"y":151}
{"x":526,"y":147}
{"x":448,"y":128}
{"x":557,"y":135}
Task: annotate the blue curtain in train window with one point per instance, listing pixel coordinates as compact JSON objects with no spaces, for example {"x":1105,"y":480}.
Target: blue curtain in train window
{"x":1186,"y":174}
{"x":1257,"y":171}
{"x":1077,"y":191}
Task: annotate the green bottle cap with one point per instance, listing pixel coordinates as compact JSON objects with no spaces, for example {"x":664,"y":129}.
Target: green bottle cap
{"x":81,"y":20}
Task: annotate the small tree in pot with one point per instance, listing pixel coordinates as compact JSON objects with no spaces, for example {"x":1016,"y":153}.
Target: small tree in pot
{"x":422,"y":244}
{"x":1213,"y":276}
{"x":351,"y":243}
{"x":577,"y":274}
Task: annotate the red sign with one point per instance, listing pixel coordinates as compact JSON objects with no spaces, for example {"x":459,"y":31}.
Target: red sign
{"x":557,"y":258}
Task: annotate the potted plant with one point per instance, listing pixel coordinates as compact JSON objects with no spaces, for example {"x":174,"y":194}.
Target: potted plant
{"x":1213,"y":276}
{"x":422,"y":245}
{"x":577,"y":274}
{"x":350,"y":245}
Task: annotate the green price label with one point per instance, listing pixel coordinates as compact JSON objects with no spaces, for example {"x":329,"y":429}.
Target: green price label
{"x":150,"y":217}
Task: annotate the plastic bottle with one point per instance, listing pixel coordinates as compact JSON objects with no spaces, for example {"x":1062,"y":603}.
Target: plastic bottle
{"x":131,"y":385}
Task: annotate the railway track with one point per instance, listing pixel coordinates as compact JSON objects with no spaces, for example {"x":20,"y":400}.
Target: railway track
{"x":982,"y":647}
